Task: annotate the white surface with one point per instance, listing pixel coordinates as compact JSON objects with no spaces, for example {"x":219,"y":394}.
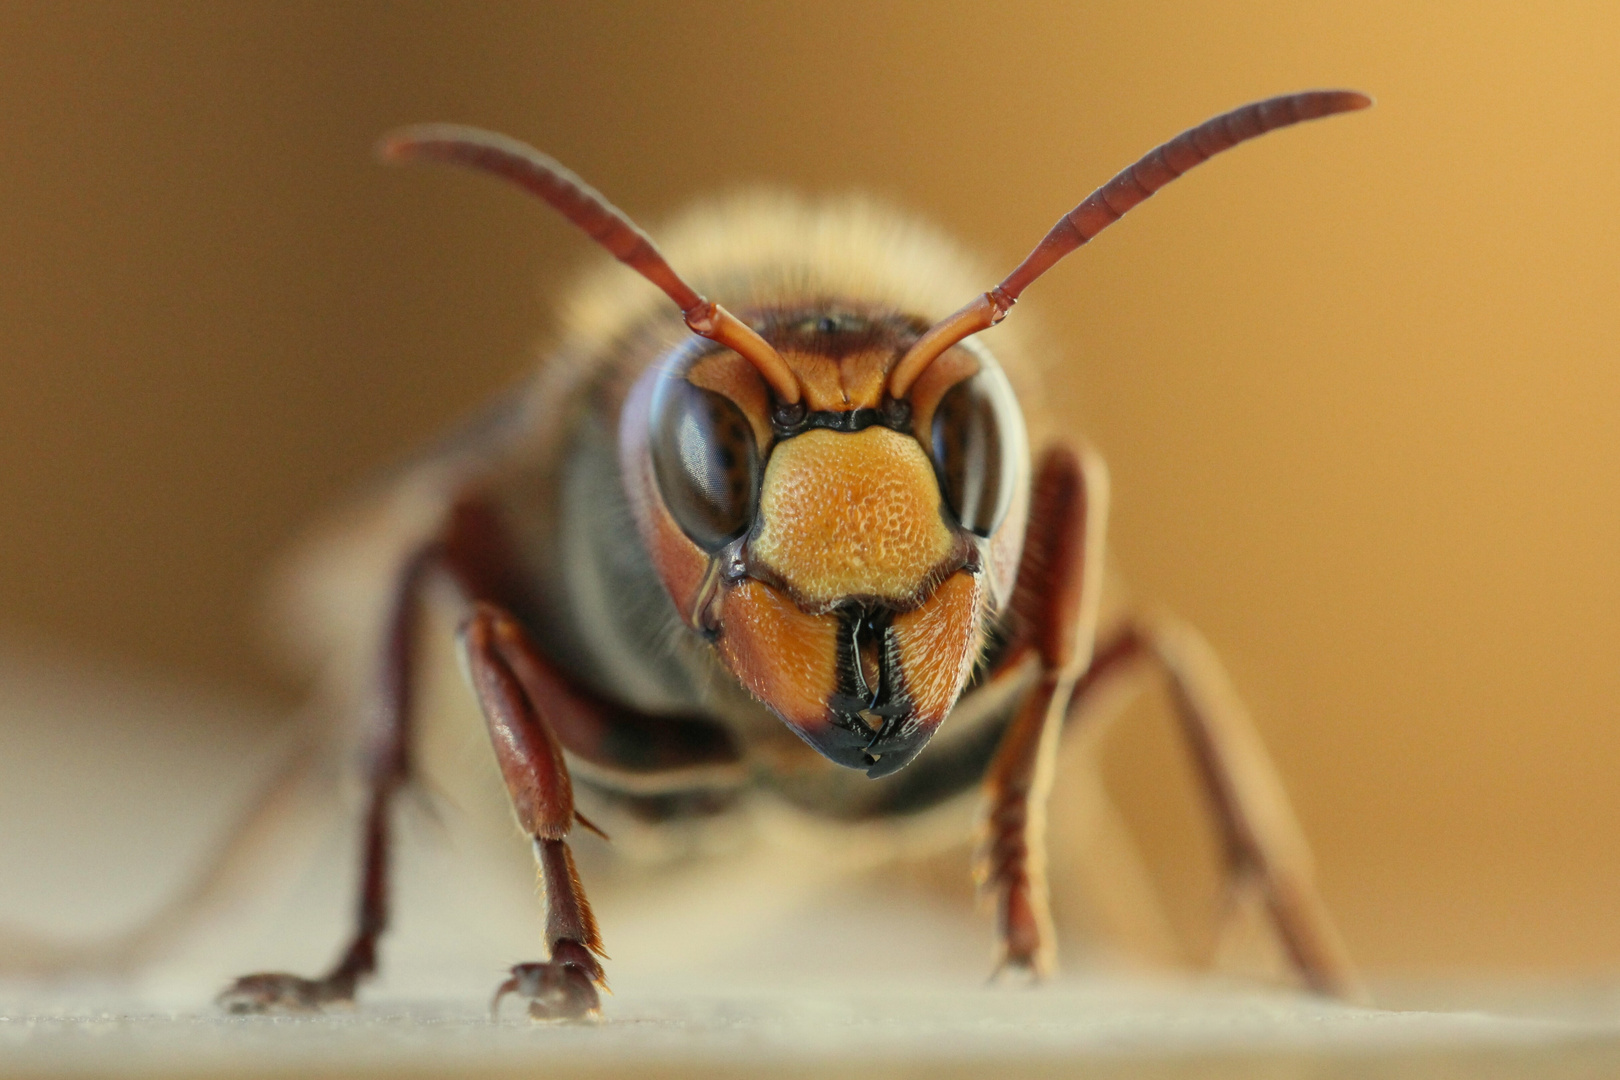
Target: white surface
{"x":780,"y":958}
{"x":1107,"y":1027}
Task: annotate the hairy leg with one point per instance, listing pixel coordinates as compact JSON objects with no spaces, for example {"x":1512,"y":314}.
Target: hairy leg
{"x":499,"y":655}
{"x":1263,"y":846}
{"x":388,"y":768}
{"x":532,"y":711}
{"x":1055,"y":612}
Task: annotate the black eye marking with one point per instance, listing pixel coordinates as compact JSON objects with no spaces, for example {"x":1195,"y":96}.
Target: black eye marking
{"x":790,"y":420}
{"x":971,"y":431}
{"x":897,"y":413}
{"x":705,"y":461}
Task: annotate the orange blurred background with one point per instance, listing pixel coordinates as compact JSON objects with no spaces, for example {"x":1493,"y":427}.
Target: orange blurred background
{"x":1357,"y":382}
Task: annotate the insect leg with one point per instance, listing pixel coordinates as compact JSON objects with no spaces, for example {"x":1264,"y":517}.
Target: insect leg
{"x":1055,"y":606}
{"x":498,"y":654}
{"x":1261,"y":838}
{"x":388,"y":769}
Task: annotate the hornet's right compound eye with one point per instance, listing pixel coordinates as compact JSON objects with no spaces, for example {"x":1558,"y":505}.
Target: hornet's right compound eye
{"x":706,"y":462}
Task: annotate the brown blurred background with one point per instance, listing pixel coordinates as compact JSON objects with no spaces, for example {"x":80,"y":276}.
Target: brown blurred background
{"x":1358,"y":383}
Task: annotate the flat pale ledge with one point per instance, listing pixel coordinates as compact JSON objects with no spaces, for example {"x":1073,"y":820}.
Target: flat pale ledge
{"x":774,"y":962}
{"x":1094,"y":1027}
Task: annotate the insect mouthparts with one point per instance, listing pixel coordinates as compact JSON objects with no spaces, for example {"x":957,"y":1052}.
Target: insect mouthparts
{"x":868,"y":700}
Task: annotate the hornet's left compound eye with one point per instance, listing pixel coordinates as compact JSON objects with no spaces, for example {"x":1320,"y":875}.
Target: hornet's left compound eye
{"x":976,"y":432}
{"x":706,"y":462}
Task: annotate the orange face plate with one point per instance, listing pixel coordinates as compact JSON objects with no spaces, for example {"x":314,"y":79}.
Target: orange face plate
{"x":852,"y":516}
{"x":785,"y":657}
{"x":938,"y":644}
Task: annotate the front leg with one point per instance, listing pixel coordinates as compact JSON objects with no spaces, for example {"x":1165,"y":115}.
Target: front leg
{"x":1054,"y":609}
{"x":502,"y":664}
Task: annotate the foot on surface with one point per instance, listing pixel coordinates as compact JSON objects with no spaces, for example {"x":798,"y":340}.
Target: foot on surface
{"x":562,"y":989}
{"x":278,"y":992}
{"x":1017,"y":971}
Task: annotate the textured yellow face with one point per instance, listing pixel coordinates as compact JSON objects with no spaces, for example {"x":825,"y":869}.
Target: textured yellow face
{"x":852,"y":516}
{"x":842,"y":553}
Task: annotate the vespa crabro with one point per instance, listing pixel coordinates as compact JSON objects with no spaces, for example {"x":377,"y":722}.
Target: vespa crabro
{"x":798,"y":545}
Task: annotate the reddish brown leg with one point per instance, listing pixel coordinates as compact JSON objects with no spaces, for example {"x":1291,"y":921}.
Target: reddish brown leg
{"x":388,"y":768}
{"x":531,"y":709}
{"x":1055,"y":609}
{"x":1261,"y":839}
{"x":504,"y":666}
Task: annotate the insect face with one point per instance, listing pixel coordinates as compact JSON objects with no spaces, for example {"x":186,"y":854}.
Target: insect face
{"x":839,"y":551}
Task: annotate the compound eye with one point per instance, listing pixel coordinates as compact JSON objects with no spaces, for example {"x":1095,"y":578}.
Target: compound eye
{"x":974,"y":426}
{"x":705,"y":460}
